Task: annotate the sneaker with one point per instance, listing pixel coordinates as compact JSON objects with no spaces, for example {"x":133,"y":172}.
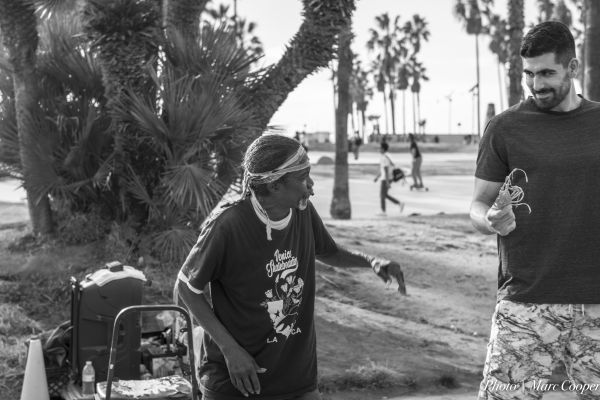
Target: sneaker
{"x":381,"y":214}
{"x":401,"y":205}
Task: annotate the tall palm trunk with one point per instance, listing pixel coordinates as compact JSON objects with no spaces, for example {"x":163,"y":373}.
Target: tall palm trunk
{"x":501,"y":87}
{"x":311,"y":48}
{"x":404,"y":113}
{"x":363,"y":124}
{"x":419,"y":110}
{"x":516,"y":24}
{"x":385,"y":112}
{"x":125,"y":38}
{"x":19,"y":32}
{"x":340,"y":203}
{"x":414,"y":110}
{"x":393,"y":109}
{"x":592,"y":50}
{"x":478,"y":87}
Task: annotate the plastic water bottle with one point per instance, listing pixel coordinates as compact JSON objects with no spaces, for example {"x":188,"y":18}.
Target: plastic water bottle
{"x":88,"y":378}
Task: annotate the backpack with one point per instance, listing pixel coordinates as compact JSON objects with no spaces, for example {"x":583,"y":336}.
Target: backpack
{"x":397,"y":173}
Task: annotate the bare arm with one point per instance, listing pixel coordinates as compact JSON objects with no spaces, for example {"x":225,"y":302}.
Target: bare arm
{"x":486,"y":218}
{"x":241,"y":366}
{"x":385,"y":269}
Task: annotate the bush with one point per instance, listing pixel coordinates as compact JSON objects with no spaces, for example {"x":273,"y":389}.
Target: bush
{"x":79,"y":227}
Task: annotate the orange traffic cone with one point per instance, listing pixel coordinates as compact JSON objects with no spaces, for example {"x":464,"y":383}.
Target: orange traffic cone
{"x":35,"y":385}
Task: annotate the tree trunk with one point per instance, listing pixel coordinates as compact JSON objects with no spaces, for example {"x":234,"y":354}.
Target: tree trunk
{"x":393,"y":109}
{"x":516,"y":24}
{"x":592,"y":51}
{"x":19,"y":32}
{"x":363,"y":122}
{"x":414,"y":110}
{"x":311,"y":48}
{"x":478,"y":87}
{"x":124,"y":52}
{"x":419,"y":112}
{"x":500,"y":86}
{"x":385,"y":112}
{"x":184,"y":16}
{"x":404,"y":113}
{"x":340,"y":203}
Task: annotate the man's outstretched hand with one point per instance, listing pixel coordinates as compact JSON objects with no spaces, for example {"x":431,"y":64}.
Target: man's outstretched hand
{"x":387,"y":270}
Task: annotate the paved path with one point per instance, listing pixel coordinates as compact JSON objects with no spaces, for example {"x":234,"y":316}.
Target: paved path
{"x":448,"y":194}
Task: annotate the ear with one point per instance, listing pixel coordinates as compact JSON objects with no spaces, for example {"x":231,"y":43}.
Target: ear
{"x":573,"y":67}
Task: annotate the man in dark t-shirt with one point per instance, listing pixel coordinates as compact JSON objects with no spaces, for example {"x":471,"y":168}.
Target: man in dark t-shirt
{"x":256,"y":260}
{"x":548,"y":308}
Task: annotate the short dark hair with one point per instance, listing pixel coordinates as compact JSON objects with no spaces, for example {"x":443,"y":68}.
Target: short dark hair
{"x":549,"y":37}
{"x":266,"y":153}
{"x":384,"y":146}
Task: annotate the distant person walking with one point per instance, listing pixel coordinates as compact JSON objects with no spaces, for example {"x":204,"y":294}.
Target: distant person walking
{"x":417,"y":160}
{"x":385,"y":173}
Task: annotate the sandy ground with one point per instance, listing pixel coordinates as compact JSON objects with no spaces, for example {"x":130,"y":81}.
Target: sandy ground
{"x":434,"y":338}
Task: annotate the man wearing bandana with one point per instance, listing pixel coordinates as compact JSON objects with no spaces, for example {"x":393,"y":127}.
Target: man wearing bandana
{"x":255,"y":261}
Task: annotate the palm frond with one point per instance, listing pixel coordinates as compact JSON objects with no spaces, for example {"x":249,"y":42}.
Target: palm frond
{"x":65,"y":62}
{"x":192,"y":186}
{"x":46,"y":9}
{"x":135,"y":186}
{"x":174,"y":243}
{"x":215,"y":55}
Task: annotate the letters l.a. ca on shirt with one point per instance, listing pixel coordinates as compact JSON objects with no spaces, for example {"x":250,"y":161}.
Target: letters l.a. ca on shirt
{"x":263,"y":293}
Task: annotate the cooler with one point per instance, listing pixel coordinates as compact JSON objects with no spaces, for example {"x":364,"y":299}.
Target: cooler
{"x":95,"y":303}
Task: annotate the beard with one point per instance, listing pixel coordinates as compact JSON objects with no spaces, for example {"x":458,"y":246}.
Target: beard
{"x":552,"y":96}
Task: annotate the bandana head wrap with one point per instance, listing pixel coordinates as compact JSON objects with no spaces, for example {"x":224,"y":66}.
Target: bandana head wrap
{"x":297,"y":162}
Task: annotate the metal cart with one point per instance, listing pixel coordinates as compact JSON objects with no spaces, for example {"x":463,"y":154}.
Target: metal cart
{"x":140,"y":308}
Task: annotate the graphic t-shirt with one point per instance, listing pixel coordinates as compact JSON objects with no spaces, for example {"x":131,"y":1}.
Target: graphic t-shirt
{"x":263,"y":293}
{"x":553,"y":255}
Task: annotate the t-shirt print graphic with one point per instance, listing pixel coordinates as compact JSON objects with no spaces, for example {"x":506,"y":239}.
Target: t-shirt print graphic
{"x":282,"y":302}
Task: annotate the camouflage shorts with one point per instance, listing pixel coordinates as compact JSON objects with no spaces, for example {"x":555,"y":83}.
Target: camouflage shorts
{"x":528,"y":341}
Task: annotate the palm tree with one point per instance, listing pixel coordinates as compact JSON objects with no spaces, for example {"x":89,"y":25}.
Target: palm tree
{"x":516,"y":23}
{"x":18,"y":25}
{"x":191,"y":110}
{"x":360,"y":92}
{"x":592,"y":51}
{"x":418,"y":73}
{"x":244,"y":30}
{"x":386,"y":40}
{"x":340,"y":202}
{"x":402,"y":84}
{"x":415,"y":31}
{"x":380,"y":85}
{"x":470,"y":13}
{"x":498,"y":45}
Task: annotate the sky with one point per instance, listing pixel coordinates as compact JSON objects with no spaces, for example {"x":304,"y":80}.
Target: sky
{"x":449,"y":57}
